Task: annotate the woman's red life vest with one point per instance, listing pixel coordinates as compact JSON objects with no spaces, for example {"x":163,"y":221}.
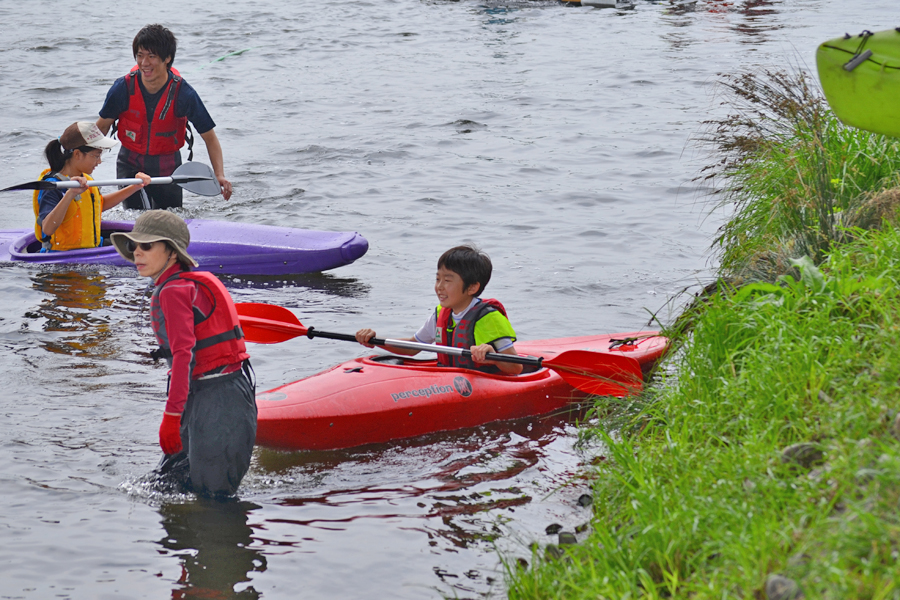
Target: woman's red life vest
{"x":462,"y":335}
{"x":165,"y":133}
{"x":220,"y":340}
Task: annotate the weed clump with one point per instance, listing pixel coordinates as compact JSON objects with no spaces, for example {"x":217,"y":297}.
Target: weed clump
{"x":794,"y":178}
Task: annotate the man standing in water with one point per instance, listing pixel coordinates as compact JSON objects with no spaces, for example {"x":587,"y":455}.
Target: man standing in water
{"x":153,"y":105}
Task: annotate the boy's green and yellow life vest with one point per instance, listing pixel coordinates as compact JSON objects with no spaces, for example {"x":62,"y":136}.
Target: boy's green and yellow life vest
{"x":463,"y":333}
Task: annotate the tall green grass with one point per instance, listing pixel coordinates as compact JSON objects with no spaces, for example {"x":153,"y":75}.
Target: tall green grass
{"x":789,"y":171}
{"x":695,"y":500}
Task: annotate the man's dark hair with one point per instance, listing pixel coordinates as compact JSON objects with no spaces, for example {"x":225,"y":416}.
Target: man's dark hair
{"x":471,"y":264}
{"x":156,"y":39}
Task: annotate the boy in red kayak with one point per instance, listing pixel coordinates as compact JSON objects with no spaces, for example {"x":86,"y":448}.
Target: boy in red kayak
{"x":462,"y":319}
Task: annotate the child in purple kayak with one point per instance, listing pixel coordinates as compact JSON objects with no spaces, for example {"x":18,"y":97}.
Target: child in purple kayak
{"x":70,"y":219}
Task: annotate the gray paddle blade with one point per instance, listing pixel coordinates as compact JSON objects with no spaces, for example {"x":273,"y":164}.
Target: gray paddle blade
{"x":198,"y":178}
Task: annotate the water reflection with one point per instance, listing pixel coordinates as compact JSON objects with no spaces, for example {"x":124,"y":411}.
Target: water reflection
{"x":461,"y":448}
{"x":753,"y":19}
{"x":73,"y":300}
{"x":747,"y":7}
{"x":676,"y":7}
{"x":758,"y":19}
{"x":500,"y":14}
{"x":457,"y":492}
{"x":344,"y":287}
{"x":454,"y":480}
{"x":213,"y":541}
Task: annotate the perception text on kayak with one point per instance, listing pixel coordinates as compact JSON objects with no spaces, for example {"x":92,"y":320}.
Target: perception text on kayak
{"x":427,"y":392}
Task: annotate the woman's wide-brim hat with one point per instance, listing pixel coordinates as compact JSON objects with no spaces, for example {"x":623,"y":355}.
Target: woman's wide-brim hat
{"x":156,"y":226}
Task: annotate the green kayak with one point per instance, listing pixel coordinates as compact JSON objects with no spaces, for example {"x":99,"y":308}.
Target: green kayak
{"x":861,"y":79}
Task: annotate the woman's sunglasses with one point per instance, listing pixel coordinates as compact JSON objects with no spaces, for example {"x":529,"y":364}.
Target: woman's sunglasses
{"x":132,"y":246}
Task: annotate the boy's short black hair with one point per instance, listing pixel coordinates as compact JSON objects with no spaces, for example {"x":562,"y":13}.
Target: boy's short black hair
{"x":156,"y":39}
{"x":470,"y":263}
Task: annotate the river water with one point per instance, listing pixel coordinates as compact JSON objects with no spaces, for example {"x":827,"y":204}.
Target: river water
{"x":555,"y":137}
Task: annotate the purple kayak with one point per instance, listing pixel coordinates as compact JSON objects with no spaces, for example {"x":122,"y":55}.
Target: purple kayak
{"x":219,"y":247}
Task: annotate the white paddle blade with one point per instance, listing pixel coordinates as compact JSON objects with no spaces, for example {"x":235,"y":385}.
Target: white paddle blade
{"x":204,"y":187}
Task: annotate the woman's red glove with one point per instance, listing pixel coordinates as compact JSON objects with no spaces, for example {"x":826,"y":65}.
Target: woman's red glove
{"x":170,"y":434}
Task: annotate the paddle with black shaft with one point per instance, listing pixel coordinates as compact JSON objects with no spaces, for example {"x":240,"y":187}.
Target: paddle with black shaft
{"x":596,"y":373}
{"x":192,"y":176}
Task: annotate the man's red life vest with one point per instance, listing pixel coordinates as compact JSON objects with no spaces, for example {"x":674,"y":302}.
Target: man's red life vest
{"x":220,"y":340}
{"x":462,"y":335}
{"x":165,"y":133}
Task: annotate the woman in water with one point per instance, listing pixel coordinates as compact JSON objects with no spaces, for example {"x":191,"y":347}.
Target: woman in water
{"x":70,"y":219}
{"x":210,"y":414}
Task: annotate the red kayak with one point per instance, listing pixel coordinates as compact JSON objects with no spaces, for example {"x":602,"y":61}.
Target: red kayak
{"x":380,"y":398}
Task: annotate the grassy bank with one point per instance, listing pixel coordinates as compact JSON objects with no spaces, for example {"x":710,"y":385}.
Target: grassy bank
{"x":696,"y":498}
{"x":771,"y":456}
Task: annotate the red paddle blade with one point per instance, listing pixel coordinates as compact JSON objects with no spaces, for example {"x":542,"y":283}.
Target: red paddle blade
{"x":267,"y":323}
{"x":271,"y":312}
{"x":598,"y":373}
